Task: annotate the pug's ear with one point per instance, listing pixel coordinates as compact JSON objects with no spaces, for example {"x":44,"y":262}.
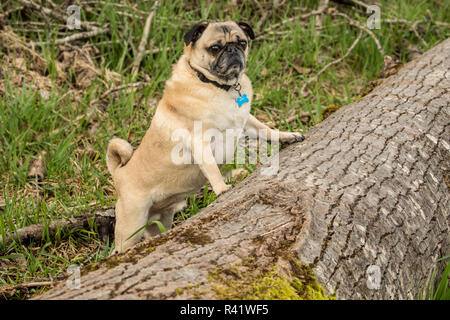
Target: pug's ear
{"x":195,"y":33}
{"x":247,"y":29}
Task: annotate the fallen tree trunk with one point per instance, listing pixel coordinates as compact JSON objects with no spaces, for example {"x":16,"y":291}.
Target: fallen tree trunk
{"x":364,"y":196}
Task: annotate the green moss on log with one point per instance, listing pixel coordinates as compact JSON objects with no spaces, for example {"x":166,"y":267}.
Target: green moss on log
{"x":243,"y":281}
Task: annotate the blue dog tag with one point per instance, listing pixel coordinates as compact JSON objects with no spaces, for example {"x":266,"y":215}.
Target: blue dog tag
{"x":242,"y":100}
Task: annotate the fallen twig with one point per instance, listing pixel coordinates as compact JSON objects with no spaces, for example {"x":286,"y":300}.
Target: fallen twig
{"x":76,"y":36}
{"x":36,"y":24}
{"x":143,"y":43}
{"x":319,"y":11}
{"x":8,"y":12}
{"x":108,"y":92}
{"x":316,"y":77}
{"x":33,"y":284}
{"x":33,"y":233}
{"x":264,"y":15}
{"x":54,"y":13}
{"x":412,"y":27}
{"x":8,"y":291}
{"x":323,"y":5}
{"x":354,"y":23}
{"x":360,"y":3}
{"x":91,"y":29}
{"x":157,"y":50}
{"x":124,"y":86}
{"x":442,"y":24}
{"x":303,"y":115}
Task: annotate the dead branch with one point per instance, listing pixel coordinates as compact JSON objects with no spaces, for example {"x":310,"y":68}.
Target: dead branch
{"x":34,"y":233}
{"x":8,"y":12}
{"x":76,"y":36}
{"x":156,"y":50}
{"x":53,"y":13}
{"x":360,"y":3}
{"x":8,"y":291}
{"x":143,"y":43}
{"x":323,"y":5}
{"x":316,"y":77}
{"x":264,"y":15}
{"x":412,"y":26}
{"x":319,"y":11}
{"x":92,"y":108}
{"x":354,"y":23}
{"x":125,"y":86}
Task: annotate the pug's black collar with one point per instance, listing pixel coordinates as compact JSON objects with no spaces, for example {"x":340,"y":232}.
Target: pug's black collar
{"x":204,"y":79}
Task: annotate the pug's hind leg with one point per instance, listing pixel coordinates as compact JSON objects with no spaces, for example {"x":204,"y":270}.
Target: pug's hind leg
{"x":163,"y":215}
{"x":152,"y":229}
{"x":167,"y":219}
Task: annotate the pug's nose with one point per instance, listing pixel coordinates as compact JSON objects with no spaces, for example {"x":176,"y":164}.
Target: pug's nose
{"x":231,"y":49}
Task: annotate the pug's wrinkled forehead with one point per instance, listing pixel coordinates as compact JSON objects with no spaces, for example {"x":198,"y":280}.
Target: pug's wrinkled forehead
{"x":223,"y":33}
{"x":209,"y":32}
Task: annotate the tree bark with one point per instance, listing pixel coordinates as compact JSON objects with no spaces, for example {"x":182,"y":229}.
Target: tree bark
{"x":368,"y":188}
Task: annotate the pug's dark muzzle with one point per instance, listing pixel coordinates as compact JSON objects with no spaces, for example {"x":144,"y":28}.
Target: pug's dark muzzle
{"x":230,"y":62}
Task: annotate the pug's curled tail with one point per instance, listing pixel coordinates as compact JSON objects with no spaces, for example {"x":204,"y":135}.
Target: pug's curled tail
{"x":118,"y":154}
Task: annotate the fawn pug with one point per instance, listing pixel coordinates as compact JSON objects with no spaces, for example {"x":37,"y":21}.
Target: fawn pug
{"x":208,"y":85}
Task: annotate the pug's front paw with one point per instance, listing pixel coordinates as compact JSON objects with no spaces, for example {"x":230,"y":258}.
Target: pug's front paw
{"x":291,"y":137}
{"x":218,"y":191}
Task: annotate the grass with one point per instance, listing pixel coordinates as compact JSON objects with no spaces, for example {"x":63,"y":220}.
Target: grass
{"x":76,"y":177}
{"x":442,"y":290}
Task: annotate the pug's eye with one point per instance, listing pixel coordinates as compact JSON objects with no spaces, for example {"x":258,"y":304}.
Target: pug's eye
{"x":214,"y":49}
{"x":243,"y":43}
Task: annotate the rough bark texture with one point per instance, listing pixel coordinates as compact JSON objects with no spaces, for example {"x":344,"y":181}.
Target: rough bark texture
{"x":368,"y":186}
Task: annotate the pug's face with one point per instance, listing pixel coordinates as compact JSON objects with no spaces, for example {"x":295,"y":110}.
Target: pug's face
{"x":219,"y":49}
